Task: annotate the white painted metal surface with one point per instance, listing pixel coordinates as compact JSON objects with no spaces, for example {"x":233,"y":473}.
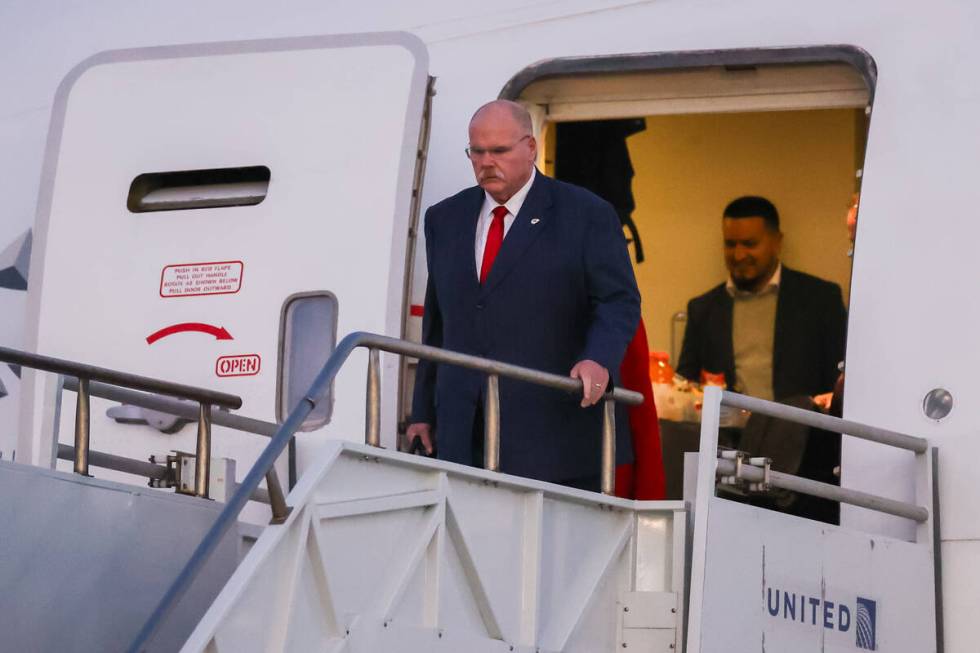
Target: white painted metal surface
{"x":335,"y":120}
{"x":823,"y":587}
{"x":83,"y":561}
{"x":816,"y":581}
{"x":386,"y":552}
{"x":910,"y":327}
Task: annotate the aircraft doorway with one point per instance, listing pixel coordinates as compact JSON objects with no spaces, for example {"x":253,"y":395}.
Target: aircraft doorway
{"x":694,"y":139}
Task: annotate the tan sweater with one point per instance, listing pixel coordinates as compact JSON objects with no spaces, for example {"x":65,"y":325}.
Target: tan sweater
{"x":753,"y":330}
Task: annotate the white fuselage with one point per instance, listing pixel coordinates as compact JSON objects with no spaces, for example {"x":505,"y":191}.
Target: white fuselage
{"x":911,"y":320}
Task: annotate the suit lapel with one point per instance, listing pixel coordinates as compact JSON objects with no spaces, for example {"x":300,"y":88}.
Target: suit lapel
{"x":727,"y":306}
{"x":466,"y":239}
{"x":534,"y":217}
{"x":784,"y":311}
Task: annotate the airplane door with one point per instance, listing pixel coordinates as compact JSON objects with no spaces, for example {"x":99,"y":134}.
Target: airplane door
{"x":194,"y":197}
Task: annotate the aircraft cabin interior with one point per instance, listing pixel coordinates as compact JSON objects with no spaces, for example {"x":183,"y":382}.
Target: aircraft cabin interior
{"x":670,"y":148}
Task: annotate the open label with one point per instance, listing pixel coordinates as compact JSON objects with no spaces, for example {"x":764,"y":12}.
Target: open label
{"x":241,"y":365}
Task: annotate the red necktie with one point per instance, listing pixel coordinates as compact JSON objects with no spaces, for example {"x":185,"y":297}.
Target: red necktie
{"x":494,"y":239}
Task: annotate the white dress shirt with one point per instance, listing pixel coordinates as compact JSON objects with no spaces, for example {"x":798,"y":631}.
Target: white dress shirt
{"x":513,"y":205}
{"x":771,"y":285}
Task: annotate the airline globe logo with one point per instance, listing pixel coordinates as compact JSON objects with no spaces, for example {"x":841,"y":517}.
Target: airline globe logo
{"x":866,"y":609}
{"x":814,"y":611}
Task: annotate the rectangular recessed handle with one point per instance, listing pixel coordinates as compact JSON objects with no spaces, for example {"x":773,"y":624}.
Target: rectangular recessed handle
{"x":198,"y":189}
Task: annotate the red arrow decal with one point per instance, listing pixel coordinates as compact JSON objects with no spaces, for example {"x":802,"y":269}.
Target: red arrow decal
{"x":220,"y":333}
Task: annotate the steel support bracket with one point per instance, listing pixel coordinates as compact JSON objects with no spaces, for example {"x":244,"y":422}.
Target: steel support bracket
{"x":180,"y":468}
{"x":738,"y":481}
{"x":733,"y":480}
{"x":765,"y":464}
{"x":173,"y":472}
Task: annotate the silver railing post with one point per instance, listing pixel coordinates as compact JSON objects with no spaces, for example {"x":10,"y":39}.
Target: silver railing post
{"x":202,"y":469}
{"x":609,"y":445}
{"x":372,"y":423}
{"x":491,"y":424}
{"x":276,"y":499}
{"x":82,"y":428}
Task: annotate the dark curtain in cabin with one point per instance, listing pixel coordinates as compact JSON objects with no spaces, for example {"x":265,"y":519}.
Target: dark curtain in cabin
{"x":593,"y":154}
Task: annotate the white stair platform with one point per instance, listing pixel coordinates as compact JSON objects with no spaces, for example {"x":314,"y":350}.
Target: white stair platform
{"x":389,"y":552}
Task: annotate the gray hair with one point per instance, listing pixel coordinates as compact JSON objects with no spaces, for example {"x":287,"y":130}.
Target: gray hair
{"x":516,"y":111}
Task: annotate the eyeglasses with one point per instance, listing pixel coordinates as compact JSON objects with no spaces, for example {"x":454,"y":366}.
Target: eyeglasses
{"x":477,"y":152}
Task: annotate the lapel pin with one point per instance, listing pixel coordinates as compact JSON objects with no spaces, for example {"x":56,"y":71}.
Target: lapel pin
{"x":535,"y":220}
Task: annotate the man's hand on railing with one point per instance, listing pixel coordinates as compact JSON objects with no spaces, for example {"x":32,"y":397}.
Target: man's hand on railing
{"x":423,"y":432}
{"x":594,"y":378}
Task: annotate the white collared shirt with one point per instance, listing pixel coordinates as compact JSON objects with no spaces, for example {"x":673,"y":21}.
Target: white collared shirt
{"x":773,"y":284}
{"x":513,"y":205}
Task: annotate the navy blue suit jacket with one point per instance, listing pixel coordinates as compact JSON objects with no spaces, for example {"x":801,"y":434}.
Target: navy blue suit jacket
{"x":561,"y":290}
{"x":810,"y":329}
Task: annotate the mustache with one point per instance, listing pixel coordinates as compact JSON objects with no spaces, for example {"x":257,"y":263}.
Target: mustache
{"x":492,"y":173}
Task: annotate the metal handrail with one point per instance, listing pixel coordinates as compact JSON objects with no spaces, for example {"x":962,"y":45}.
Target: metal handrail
{"x":123,"y":379}
{"x":756,"y":470}
{"x":86,"y":374}
{"x":675,"y":319}
{"x":152,"y":471}
{"x":318,"y":390}
{"x":491,"y":409}
{"x":537,"y":377}
{"x":149,"y":470}
{"x":825,"y":422}
{"x":174,"y":407}
{"x":756,"y":474}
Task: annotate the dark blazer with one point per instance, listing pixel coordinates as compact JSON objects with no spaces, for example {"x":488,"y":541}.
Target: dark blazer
{"x":809,"y":341}
{"x":561,"y":290}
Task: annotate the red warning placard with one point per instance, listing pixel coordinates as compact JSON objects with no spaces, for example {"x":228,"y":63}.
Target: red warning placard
{"x":241,"y":365}
{"x":195,"y":279}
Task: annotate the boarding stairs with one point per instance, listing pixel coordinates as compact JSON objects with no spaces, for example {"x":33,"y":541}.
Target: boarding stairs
{"x":376,"y":550}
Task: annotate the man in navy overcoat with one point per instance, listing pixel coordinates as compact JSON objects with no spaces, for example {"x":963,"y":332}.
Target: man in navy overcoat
{"x":531,"y":271}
